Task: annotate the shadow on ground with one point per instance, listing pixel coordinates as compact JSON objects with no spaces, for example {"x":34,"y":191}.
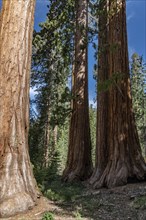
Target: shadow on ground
{"x":126,"y":202}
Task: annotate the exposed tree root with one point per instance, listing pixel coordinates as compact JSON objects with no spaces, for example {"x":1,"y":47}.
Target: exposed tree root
{"x":119,"y":175}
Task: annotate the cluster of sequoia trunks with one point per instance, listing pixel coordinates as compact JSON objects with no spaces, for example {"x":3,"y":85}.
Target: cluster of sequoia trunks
{"x":118,"y":152}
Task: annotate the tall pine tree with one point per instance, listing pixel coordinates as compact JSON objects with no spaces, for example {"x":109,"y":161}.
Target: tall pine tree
{"x":51,"y":67}
{"x":138,"y":87}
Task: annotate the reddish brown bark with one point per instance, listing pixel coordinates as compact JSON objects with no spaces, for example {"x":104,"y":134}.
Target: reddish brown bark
{"x":79,"y":164}
{"x":123,"y":158}
{"x":18,"y":190}
{"x":101,"y":131}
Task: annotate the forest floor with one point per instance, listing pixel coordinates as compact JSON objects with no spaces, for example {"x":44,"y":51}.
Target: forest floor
{"x":67,"y":202}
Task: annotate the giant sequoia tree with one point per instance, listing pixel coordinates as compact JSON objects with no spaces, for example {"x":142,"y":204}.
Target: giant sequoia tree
{"x":118,"y":150}
{"x":79,"y":165}
{"x":17,"y":185}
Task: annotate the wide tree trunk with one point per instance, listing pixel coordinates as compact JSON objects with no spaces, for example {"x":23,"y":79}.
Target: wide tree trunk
{"x":123,"y":158}
{"x":79,"y":163}
{"x":18,"y":190}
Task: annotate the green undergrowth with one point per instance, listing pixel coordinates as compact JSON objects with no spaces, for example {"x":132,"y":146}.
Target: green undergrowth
{"x":48,"y":216}
{"x":86,"y":206}
{"x":139,"y":202}
{"x":56,"y":190}
{"x":71,"y":197}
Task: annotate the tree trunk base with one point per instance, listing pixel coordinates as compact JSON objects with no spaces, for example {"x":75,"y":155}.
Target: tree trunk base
{"x":76,"y":175}
{"x":19,"y":202}
{"x":18,"y":188}
{"x":118,"y":175}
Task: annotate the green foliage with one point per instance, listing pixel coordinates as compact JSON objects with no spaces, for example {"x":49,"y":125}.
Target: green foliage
{"x":58,"y":160}
{"x":52,"y":57}
{"x":64,"y":192}
{"x":77,"y":215}
{"x":138,"y":87}
{"x":111,"y":82}
{"x":45,"y":174}
{"x":48,"y":216}
{"x":72,"y":196}
{"x":51,"y":70}
{"x":92,"y":117}
{"x":62,"y":144}
{"x":139,"y":202}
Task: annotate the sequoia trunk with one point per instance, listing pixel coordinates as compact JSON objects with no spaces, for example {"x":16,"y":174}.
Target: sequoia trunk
{"x":102,"y":110}
{"x":123,"y":154}
{"x":79,"y":164}
{"x":18,"y":191}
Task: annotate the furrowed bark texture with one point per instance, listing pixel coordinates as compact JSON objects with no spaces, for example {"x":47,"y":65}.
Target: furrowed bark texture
{"x":18,"y":191}
{"x":79,"y":164}
{"x":101,"y":131}
{"x":123,"y":155}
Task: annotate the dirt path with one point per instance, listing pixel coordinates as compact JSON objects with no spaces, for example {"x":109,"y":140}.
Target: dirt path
{"x":121,"y":203}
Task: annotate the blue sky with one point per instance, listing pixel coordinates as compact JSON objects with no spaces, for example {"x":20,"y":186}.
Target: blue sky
{"x":136,"y":25}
